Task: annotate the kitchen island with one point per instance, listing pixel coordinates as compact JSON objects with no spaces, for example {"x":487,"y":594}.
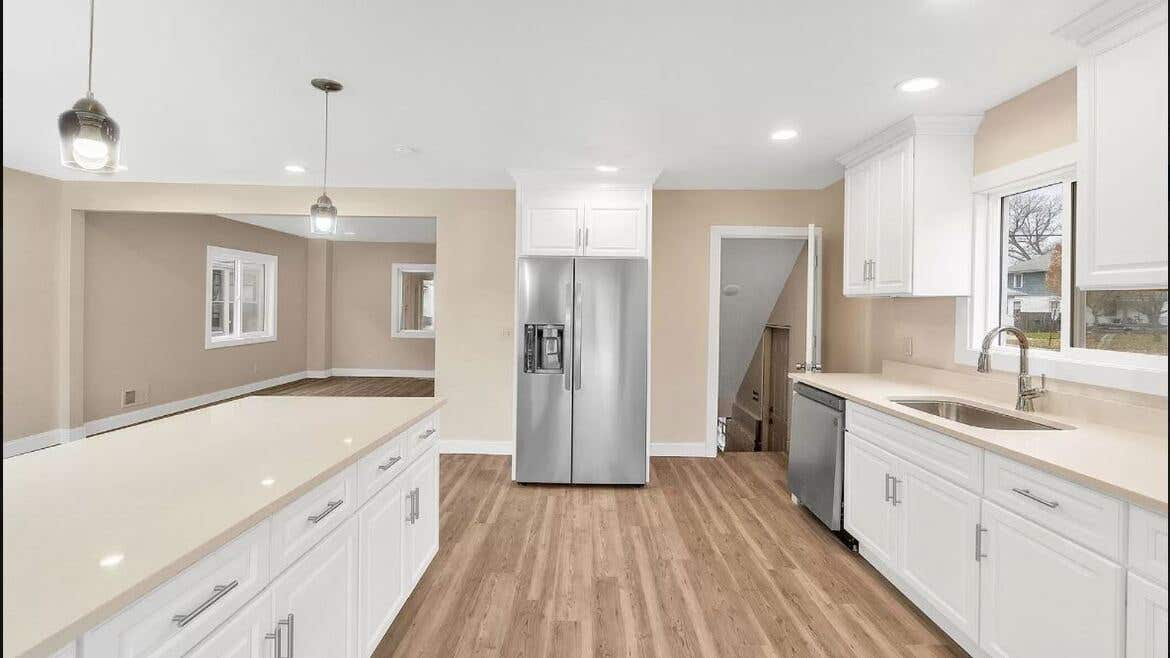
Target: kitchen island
{"x":93,"y":526}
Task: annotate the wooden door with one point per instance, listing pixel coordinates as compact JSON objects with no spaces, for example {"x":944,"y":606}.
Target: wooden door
{"x":1043,"y":595}
{"x":776,"y":406}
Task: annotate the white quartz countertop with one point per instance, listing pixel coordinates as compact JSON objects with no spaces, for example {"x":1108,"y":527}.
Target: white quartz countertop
{"x":1126,"y":464}
{"x":162,"y":495}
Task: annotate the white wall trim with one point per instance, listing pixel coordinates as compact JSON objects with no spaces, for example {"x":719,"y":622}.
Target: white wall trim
{"x":714,"y":266}
{"x":318,"y":374}
{"x":381,"y":372}
{"x":679,"y":449}
{"x":1020,"y":173}
{"x":474,"y":447}
{"x":396,"y":271}
{"x":150,"y":413}
{"x":1104,"y":19}
{"x":35,"y":442}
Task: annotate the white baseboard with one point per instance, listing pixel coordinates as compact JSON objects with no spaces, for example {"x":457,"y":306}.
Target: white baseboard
{"x":381,"y":372}
{"x":150,"y":413}
{"x":679,"y":449}
{"x":35,"y":442}
{"x":318,"y":374}
{"x":474,"y":447}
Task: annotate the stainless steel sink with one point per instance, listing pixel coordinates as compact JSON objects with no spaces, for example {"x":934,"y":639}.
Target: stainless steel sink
{"x":968,"y":414}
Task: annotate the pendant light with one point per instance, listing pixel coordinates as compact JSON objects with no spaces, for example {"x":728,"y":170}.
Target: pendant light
{"x":90,"y":138}
{"x":323,"y":214}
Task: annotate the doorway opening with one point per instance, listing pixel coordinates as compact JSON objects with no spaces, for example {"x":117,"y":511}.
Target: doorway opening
{"x":764,"y":310}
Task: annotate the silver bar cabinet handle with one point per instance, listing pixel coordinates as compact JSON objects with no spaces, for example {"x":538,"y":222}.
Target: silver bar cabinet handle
{"x":887,"y":488}
{"x":427,"y":434}
{"x":1027,"y":493}
{"x":217,"y":593}
{"x":275,"y":635}
{"x":333,"y":504}
{"x":979,"y":530}
{"x":414,"y":503}
{"x":894,"y":498}
{"x":390,"y":464}
{"x":410,"y":508}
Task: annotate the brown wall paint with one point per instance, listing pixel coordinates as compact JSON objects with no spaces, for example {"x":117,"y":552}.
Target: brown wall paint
{"x":144,"y":309}
{"x":362,"y":276}
{"x":32,"y":304}
{"x":319,"y":306}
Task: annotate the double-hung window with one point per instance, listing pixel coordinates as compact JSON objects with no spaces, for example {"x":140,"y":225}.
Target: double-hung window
{"x":1024,"y":276}
{"x":241,"y":298}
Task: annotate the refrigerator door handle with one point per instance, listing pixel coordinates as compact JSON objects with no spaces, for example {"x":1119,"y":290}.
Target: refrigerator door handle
{"x":577,"y":336}
{"x":570,"y":367}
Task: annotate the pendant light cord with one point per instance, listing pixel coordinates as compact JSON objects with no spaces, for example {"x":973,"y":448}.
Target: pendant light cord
{"x":89,"y":79}
{"x":325,"y":170}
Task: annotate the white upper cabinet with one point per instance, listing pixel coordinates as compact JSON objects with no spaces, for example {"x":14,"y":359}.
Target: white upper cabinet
{"x":571,"y":214}
{"x":908,"y":209}
{"x":1121,"y":126}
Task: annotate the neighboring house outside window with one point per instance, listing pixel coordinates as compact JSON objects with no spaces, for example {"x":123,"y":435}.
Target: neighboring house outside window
{"x":240,"y":298}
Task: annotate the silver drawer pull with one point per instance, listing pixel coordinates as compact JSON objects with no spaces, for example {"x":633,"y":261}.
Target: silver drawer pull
{"x":275,"y":635}
{"x":217,"y":593}
{"x":426,"y":435}
{"x":1050,"y":504}
{"x":333,"y":504}
{"x":390,"y":464}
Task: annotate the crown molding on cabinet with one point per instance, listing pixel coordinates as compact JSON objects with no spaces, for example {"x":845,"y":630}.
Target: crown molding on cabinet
{"x":1111,"y":16}
{"x":919,"y":124}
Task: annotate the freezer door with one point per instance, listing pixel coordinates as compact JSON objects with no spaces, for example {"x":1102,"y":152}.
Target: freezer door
{"x":544,"y":400}
{"x":610,"y":374}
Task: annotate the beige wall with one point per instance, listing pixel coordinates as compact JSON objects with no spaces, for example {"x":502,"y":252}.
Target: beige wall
{"x":144,"y":308}
{"x":1039,"y":120}
{"x":792,"y":309}
{"x":361,"y":307}
{"x":319,"y":306}
{"x":32,"y":304}
{"x":679,"y":295}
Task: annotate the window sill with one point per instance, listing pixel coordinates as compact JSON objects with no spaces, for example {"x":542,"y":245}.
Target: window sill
{"x":412,"y":334}
{"x":216,"y":343}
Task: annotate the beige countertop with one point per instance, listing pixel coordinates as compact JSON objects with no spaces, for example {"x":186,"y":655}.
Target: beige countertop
{"x":162,"y":495}
{"x":1126,"y":464}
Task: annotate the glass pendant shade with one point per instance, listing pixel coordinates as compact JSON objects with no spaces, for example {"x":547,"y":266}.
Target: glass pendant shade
{"x":323,"y":217}
{"x":90,"y":138}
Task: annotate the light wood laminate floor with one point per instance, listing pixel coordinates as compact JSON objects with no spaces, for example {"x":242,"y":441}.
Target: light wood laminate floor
{"x":389,"y":387}
{"x":710,"y":559}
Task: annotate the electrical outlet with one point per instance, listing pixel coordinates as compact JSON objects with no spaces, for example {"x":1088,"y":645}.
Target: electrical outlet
{"x":133,"y":396}
{"x":908,"y":347}
{"x":506,"y":332}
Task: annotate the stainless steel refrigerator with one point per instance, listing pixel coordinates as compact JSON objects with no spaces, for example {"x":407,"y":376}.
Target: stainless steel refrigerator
{"x":582,"y":373}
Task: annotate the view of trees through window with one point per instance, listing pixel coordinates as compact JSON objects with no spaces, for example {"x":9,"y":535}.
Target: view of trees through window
{"x":1032,"y":279}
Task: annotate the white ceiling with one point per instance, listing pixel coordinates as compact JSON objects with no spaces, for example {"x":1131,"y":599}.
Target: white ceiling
{"x":217,"y":90}
{"x":352,"y":229}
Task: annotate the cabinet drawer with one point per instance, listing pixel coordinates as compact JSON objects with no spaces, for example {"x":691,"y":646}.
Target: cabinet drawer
{"x":381,"y":466}
{"x":947,"y":457}
{"x":1147,"y":544}
{"x":422,"y":436}
{"x":1087,"y":517}
{"x":306,"y":521}
{"x":178,"y":614}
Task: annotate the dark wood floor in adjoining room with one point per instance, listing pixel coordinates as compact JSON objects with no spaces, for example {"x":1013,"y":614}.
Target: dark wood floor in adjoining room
{"x":390,"y":387}
{"x":709,"y":559}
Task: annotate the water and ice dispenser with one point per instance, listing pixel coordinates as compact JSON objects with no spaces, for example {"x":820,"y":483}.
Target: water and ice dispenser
{"x":544,"y":347}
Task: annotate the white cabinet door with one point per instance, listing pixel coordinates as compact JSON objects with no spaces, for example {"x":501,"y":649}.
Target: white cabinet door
{"x":869,"y":509}
{"x":1121,"y":194}
{"x":551,"y":222}
{"x":381,"y":572}
{"x":1146,"y":623}
{"x":319,"y":591}
{"x":858,"y":220}
{"x":615,"y":223}
{"x":244,"y":634}
{"x":424,"y":532}
{"x":1043,"y":595}
{"x":938,"y":525}
{"x":893,"y":220}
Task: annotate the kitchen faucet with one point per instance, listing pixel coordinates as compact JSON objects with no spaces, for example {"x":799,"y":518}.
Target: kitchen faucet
{"x":1026,"y":392}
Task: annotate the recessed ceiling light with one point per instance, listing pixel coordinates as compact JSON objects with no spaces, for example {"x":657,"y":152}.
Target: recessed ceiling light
{"x":606,"y":169}
{"x":404,"y":149}
{"x":784,"y":135}
{"x":914,"y":85}
{"x":267,"y":482}
{"x":111,"y":560}
{"x":294,"y":169}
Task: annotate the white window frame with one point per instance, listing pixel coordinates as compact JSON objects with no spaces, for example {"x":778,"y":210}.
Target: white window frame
{"x":979,"y":313}
{"x":216,"y":254}
{"x":396,"y":302}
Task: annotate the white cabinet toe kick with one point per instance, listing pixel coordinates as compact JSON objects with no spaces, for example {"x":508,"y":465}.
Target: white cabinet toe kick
{"x":323,"y":576}
{"x":1007,"y":559}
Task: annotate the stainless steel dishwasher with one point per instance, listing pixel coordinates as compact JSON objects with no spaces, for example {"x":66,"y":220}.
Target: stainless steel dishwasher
{"x":816,"y":452}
